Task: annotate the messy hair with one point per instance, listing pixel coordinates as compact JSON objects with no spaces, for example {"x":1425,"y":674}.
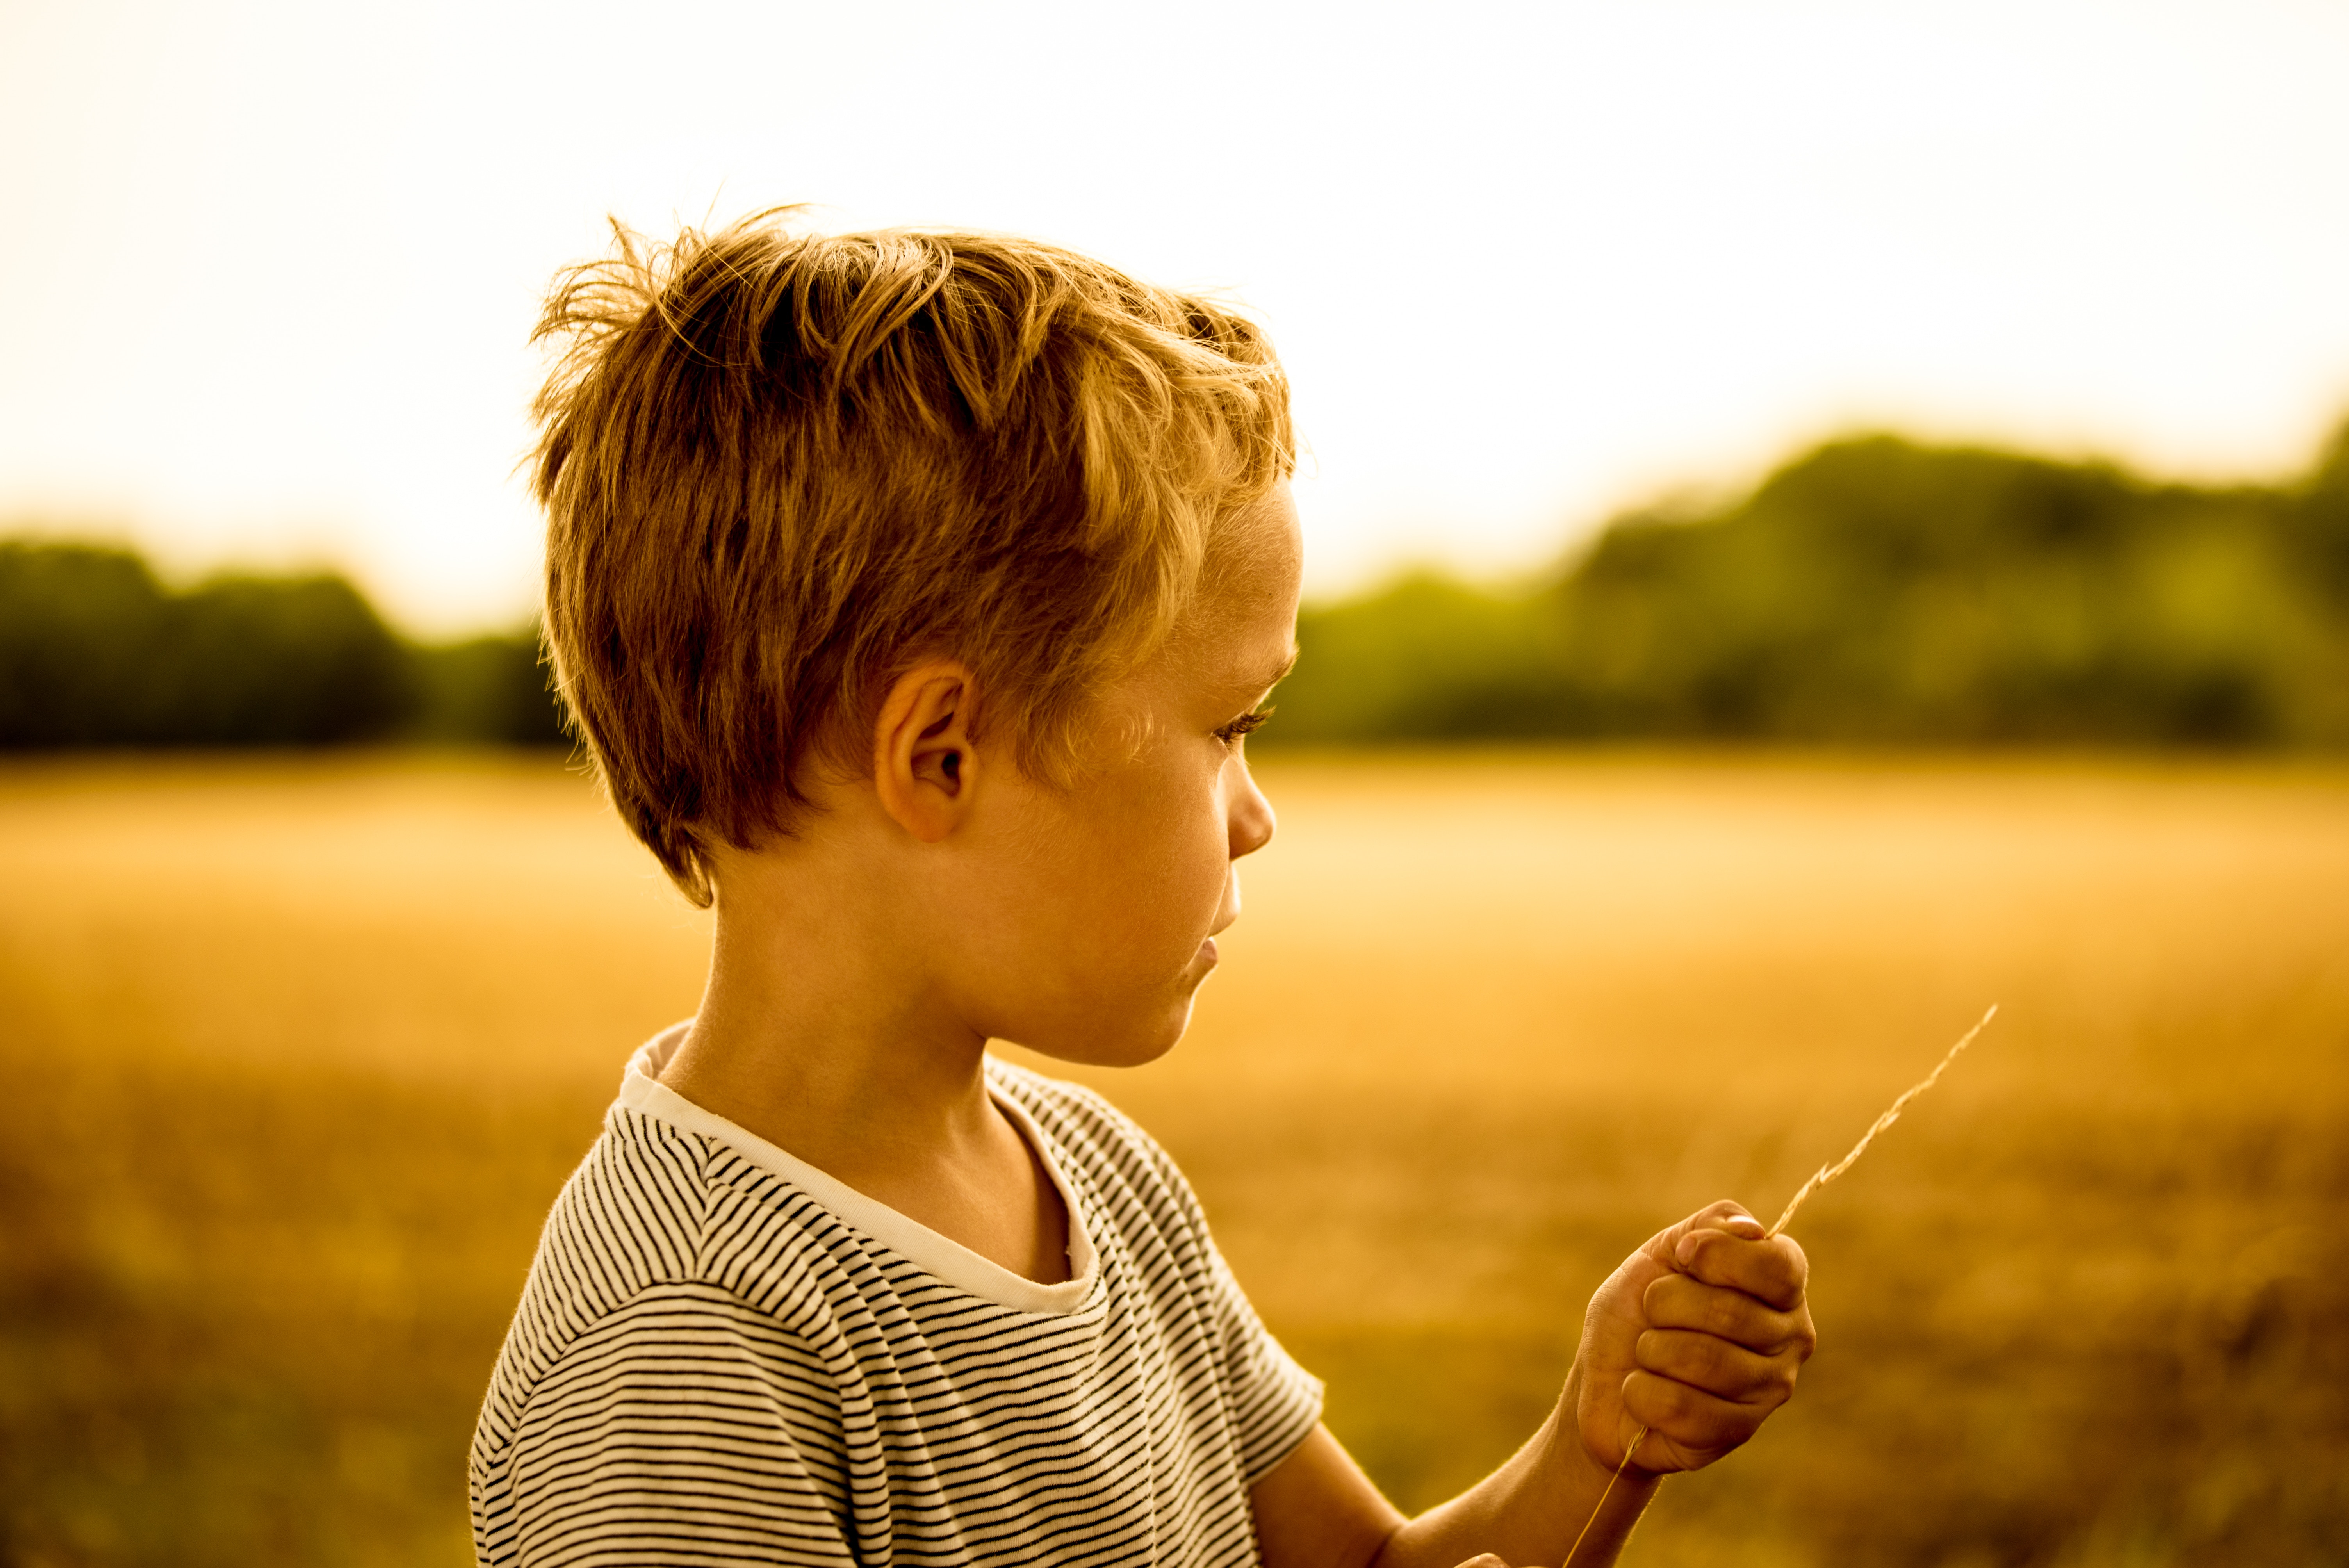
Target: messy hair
{"x":782,"y":468}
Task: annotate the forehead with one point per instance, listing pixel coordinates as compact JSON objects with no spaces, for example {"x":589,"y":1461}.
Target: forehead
{"x":1258,"y":549}
{"x":1242,"y":627}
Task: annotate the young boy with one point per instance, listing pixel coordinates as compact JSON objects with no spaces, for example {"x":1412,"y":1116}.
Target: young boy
{"x":914,"y":592}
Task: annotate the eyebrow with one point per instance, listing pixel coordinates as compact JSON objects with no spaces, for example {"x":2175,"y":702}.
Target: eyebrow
{"x":1280,"y":672}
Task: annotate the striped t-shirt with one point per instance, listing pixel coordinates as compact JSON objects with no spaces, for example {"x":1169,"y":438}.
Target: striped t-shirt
{"x":723,"y":1354}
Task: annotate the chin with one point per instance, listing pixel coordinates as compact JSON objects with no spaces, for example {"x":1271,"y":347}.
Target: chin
{"x":1130,"y":1044}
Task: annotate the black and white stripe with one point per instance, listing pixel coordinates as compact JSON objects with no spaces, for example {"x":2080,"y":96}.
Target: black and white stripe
{"x":723,"y":1356}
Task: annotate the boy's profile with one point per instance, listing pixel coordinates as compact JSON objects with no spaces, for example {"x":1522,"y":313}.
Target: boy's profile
{"x":914,"y":593}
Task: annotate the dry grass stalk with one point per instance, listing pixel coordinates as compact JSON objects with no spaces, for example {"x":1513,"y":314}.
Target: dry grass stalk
{"x":1826,"y":1174}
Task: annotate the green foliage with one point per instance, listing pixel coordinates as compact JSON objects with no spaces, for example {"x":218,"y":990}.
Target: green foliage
{"x":1428,"y":659}
{"x":491,"y":689}
{"x":1877,"y":591}
{"x":94,"y":651}
{"x":1873,"y":591}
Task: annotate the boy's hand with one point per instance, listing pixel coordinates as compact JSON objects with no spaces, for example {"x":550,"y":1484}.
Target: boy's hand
{"x":1697,"y":1337}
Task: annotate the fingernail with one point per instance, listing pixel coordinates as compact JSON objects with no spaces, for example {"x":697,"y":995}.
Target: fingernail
{"x":1686,"y":1249}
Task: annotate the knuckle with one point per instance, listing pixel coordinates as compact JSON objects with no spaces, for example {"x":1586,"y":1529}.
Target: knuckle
{"x":1798,"y":1265}
{"x":1688,"y":1357}
{"x":1676,"y":1399}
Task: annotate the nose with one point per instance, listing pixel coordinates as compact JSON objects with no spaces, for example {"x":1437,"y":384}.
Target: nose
{"x":1252,"y":819}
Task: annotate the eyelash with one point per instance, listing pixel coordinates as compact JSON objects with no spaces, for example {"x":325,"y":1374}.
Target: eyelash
{"x":1246,"y":724}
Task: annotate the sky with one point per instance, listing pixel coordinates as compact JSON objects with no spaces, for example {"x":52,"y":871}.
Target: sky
{"x":275,"y":263}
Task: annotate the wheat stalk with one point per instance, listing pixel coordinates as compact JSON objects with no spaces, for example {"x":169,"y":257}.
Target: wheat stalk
{"x":1819,"y":1178}
{"x":1826,"y":1174}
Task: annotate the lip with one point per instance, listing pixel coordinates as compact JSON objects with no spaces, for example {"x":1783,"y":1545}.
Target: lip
{"x":1207,"y":949}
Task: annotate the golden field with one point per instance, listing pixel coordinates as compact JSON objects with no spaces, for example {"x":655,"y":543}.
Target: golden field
{"x":297,"y":1053}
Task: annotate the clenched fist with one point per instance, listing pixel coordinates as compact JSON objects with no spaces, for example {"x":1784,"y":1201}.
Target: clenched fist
{"x":1697,"y":1337}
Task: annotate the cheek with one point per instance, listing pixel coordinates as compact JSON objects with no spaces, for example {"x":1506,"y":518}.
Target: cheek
{"x":1153,"y":870}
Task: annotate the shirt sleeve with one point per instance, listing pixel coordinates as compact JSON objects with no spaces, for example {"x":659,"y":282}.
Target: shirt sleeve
{"x":1275,"y":1404}
{"x":659,"y":1437}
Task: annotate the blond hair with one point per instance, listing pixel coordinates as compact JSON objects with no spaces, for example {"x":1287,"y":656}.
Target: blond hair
{"x":782,"y":468}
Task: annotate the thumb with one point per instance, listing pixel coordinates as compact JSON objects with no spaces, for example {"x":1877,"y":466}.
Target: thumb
{"x":1722,"y":1215}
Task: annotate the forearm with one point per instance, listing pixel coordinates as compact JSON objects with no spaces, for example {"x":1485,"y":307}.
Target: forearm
{"x":1531,"y":1510}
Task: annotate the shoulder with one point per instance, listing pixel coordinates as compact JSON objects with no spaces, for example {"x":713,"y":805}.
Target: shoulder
{"x":630,"y":1217}
{"x":684,"y":1425}
{"x":633,"y":1215}
{"x":655,"y":1218}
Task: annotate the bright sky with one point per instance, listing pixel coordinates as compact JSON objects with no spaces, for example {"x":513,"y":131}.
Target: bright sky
{"x":276,"y":261}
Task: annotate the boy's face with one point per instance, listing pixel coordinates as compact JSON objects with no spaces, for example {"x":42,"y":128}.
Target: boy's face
{"x":1087,"y":916}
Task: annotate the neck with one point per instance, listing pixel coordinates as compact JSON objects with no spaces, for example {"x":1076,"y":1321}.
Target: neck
{"x":811,"y":1036}
{"x":825,"y":1031}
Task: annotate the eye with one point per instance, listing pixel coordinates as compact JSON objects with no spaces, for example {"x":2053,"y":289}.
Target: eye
{"x":1246,"y":724}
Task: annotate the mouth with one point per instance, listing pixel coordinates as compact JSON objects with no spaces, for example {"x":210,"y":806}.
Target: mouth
{"x":1207,"y":947}
{"x":1223,"y":921}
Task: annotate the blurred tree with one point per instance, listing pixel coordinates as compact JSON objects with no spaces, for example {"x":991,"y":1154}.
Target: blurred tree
{"x":1877,"y":591}
{"x":256,"y":661}
{"x":2319,"y":520}
{"x":94,"y":651}
{"x":1428,"y":659}
{"x":1873,"y":591}
{"x":495,"y":689}
{"x":80,"y":629}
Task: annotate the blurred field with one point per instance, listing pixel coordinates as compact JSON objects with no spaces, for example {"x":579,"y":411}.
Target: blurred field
{"x":296,"y":1054}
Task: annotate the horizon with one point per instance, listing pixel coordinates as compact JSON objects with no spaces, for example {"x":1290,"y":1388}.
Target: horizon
{"x":1693,"y":504}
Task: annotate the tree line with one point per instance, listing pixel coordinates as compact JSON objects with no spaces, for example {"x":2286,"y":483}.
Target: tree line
{"x":95,"y":652}
{"x":1879,"y":590}
{"x":1873,"y":591}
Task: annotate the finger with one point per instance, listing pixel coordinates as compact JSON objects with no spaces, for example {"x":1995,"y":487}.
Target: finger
{"x":1698,"y":1427}
{"x":1717,"y":1367}
{"x":1724,"y":1215}
{"x":1775,"y":1270}
{"x":1484,"y":1560}
{"x":1678,"y":1300}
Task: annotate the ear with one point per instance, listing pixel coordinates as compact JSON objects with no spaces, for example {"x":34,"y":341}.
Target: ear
{"x":923,"y":764}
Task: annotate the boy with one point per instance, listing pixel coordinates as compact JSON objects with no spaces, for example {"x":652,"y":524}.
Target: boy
{"x":915,"y":593}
